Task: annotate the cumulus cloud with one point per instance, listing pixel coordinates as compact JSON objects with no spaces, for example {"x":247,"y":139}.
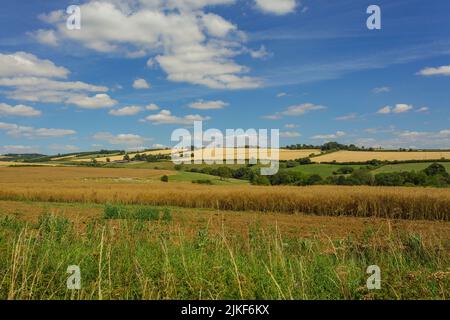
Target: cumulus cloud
{"x":423,"y":110}
{"x":126,"y":111}
{"x":141,"y":84}
{"x":439,"y":71}
{"x":98,"y":101}
{"x":261,"y":53}
{"x":63,"y":147}
{"x":399,"y":108}
{"x":21,"y":64}
{"x":19,"y":149}
{"x":347,"y":117}
{"x":15,"y":130}
{"x":381,"y":90}
{"x":336,"y":135}
{"x":29,"y":78}
{"x":188,"y":44}
{"x":277,"y":7}
{"x":18,"y":110}
{"x":289,"y":134}
{"x":208,"y":105}
{"x":128,"y":140}
{"x":166,"y":117}
{"x":296,"y":110}
{"x":152,"y":106}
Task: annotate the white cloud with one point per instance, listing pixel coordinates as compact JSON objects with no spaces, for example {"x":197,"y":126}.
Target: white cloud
{"x":46,"y":36}
{"x":166,"y":117}
{"x":216,"y":25}
{"x":19,"y":149}
{"x":152,"y":106}
{"x":290,"y":126}
{"x":18,"y":110}
{"x":98,"y":101}
{"x":141,"y":84}
{"x":350,"y":116}
{"x":385,"y":110}
{"x":128,"y":140}
{"x":296,"y":110}
{"x":190,"y":45}
{"x":336,"y":135}
{"x":423,"y":110}
{"x":277,"y":7}
{"x":402,"y":108}
{"x":261,"y":53}
{"x":208,"y":105}
{"x":399,"y":108}
{"x":439,"y":71}
{"x":281,"y":94}
{"x":29,"y":78}
{"x":381,"y":90}
{"x":126,"y":111}
{"x":30,"y":132}
{"x":64,"y":148}
{"x":289,"y":134}
{"x":21,"y":64}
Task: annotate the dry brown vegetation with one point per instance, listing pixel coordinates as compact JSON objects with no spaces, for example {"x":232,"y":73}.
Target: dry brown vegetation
{"x":361,"y":156}
{"x":129,"y":186}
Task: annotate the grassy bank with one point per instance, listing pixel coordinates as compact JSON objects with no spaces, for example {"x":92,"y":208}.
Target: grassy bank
{"x":125,"y":257}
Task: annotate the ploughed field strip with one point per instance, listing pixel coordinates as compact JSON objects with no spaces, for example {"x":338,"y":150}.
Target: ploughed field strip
{"x":128,"y":186}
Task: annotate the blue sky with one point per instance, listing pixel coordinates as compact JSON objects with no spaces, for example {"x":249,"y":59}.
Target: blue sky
{"x":138,"y":69}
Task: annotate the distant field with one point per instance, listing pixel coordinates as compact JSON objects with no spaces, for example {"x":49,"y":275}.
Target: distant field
{"x":407,"y":167}
{"x":11,"y":163}
{"x":360,"y":156}
{"x":245,"y":153}
{"x":324,"y":170}
{"x":249,"y":153}
{"x":120,"y":157}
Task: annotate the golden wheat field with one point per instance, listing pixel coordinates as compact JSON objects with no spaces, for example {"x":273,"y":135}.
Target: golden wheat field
{"x":361,"y":156}
{"x":209,"y":154}
{"x":130,"y":186}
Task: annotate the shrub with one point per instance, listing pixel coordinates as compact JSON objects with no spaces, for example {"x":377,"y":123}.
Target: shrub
{"x":165,"y":178}
{"x":345,"y":170}
{"x":114,"y":212}
{"x":435,"y":169}
{"x":202,"y":181}
{"x":304,"y":161}
{"x":260,"y":180}
{"x":146,"y":213}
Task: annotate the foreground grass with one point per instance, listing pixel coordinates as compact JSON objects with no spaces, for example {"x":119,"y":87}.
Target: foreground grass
{"x":126,"y":255}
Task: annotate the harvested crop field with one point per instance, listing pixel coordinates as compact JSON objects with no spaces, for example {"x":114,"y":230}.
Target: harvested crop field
{"x":244,"y":153}
{"x":128,"y":186}
{"x":362,"y":156}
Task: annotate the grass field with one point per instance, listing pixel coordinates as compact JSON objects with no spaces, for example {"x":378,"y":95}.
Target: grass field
{"x":361,"y":156}
{"x":210,"y":254}
{"x":324,"y":170}
{"x":407,"y":167}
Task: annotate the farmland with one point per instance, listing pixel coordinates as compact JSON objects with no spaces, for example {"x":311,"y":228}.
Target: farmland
{"x":363,"y":156}
{"x":225,"y":240}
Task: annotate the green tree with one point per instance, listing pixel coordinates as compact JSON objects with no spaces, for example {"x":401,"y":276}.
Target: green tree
{"x":435,"y":169}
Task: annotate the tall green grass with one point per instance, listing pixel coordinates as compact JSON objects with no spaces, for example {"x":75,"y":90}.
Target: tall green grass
{"x":140,"y":259}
